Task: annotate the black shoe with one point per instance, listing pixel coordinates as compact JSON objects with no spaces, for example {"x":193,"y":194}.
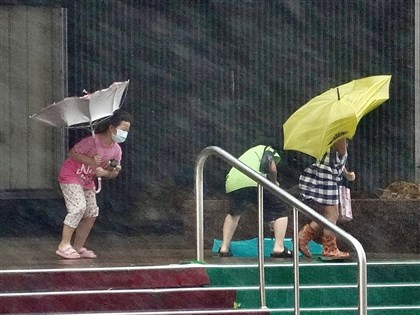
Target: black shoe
{"x":224,"y":254}
{"x":284,"y":254}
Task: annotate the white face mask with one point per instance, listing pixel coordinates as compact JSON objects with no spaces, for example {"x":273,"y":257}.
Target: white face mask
{"x":120,"y":136}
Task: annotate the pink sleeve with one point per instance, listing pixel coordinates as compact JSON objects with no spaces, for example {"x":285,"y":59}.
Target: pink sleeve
{"x":119,"y":154}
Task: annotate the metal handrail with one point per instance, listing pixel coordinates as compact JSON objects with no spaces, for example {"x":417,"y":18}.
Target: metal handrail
{"x":286,"y":197}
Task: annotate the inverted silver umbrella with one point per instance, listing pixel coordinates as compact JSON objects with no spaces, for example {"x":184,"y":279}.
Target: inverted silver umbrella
{"x":84,"y":111}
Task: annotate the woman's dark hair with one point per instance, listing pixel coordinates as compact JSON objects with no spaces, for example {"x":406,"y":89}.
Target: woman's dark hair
{"x":118,"y":116}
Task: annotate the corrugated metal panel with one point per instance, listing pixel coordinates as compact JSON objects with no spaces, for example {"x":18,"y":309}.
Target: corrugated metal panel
{"x":30,"y":67}
{"x":228,"y":73}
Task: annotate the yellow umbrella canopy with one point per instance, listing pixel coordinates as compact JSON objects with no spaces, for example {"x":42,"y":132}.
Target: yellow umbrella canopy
{"x":334,"y":115}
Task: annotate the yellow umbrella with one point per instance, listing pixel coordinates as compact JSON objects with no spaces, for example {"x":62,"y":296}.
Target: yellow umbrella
{"x":334,"y":115}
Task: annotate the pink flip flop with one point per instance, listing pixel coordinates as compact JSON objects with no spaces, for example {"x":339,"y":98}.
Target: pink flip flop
{"x":68,"y":252}
{"x":86,"y":253}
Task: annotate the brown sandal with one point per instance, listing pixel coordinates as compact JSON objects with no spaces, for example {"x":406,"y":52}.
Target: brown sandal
{"x":224,"y":254}
{"x":284,"y":254}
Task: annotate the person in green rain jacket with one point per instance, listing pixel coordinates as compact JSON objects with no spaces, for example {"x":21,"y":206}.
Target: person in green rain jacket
{"x":242,"y":191}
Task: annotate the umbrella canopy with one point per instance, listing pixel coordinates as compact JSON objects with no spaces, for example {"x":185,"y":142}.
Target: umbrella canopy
{"x":83,"y":110}
{"x":334,"y":115}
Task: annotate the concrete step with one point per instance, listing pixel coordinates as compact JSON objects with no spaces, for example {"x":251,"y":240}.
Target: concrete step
{"x":102,"y":279}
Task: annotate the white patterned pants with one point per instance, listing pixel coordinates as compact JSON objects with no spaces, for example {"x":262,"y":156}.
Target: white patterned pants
{"x":80,"y":203}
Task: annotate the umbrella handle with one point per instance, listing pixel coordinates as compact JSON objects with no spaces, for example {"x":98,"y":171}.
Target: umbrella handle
{"x":98,"y":190}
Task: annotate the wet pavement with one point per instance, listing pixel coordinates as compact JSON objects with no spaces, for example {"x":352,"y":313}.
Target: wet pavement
{"x":118,"y":251}
{"x":33,"y":253}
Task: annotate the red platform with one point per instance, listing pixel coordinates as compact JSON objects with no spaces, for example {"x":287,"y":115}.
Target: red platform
{"x":124,"y":278}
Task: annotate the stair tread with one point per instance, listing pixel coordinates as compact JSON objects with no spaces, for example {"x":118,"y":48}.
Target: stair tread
{"x":118,"y":279}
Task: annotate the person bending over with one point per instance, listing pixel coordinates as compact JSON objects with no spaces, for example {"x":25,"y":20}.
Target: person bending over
{"x":242,"y":191}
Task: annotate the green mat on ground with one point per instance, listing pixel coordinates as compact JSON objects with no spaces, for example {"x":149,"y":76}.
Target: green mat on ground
{"x":249,"y":248}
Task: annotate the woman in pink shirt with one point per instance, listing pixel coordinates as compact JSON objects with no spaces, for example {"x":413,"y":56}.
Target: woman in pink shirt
{"x":93,"y":156}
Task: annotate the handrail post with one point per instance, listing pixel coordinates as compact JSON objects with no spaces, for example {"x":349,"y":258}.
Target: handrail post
{"x":296,"y":260}
{"x":261,"y":245}
{"x":362,"y":277}
{"x":199,"y":205}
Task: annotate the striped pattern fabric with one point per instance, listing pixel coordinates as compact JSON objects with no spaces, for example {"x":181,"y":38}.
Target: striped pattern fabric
{"x":319,"y":181}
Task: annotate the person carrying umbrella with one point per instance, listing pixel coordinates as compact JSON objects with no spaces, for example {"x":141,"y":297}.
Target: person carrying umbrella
{"x":89,"y":158}
{"x":320,"y":129}
{"x":242,"y":191}
{"x":319,"y":189}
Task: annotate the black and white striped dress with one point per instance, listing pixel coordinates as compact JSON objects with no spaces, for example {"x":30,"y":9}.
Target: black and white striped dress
{"x":319,"y":182}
